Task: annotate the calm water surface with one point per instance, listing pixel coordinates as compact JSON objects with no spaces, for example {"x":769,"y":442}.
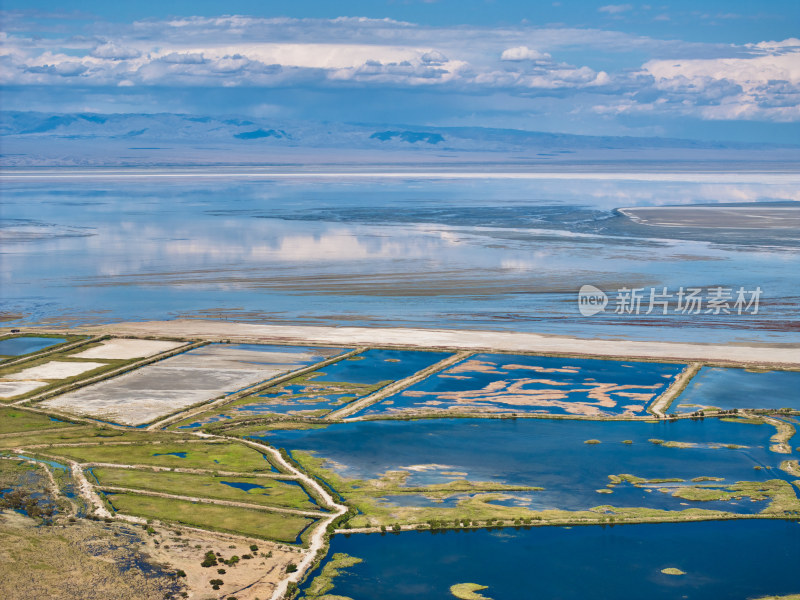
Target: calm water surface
{"x":738,"y":388}
{"x":722,"y":561}
{"x":481,"y":254}
{"x":18,"y":346}
{"x":550,"y":454}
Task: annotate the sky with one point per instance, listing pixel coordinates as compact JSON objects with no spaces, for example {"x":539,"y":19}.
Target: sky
{"x":701,"y":69}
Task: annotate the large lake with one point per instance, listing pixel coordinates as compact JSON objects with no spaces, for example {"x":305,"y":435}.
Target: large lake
{"x":721,"y":561}
{"x":505,"y":254}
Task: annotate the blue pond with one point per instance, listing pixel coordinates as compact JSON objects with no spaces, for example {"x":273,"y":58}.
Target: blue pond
{"x":730,"y":560}
{"x":737,"y":388}
{"x":241,"y":485}
{"x":17,"y":346}
{"x":178,"y":454}
{"x":536,"y":384}
{"x":550,"y":454}
{"x":376,"y":365}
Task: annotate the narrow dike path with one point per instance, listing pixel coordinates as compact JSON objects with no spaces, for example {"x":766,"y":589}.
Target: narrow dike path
{"x":317,"y":539}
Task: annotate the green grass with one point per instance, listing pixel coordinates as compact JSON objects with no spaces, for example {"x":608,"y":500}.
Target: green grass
{"x":85,"y":434}
{"x":468,"y":591}
{"x":324,"y":582}
{"x":250,"y":522}
{"x":275,"y":492}
{"x":221,"y":456}
{"x":17,"y":421}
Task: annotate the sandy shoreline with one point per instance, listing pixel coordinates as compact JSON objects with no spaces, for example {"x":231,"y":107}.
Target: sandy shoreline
{"x":785,"y":355}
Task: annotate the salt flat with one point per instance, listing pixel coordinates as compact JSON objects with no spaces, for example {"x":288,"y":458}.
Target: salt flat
{"x":761,"y":353}
{"x":9,"y":389}
{"x":180,"y":381}
{"x":126,"y":349}
{"x":55,"y":369}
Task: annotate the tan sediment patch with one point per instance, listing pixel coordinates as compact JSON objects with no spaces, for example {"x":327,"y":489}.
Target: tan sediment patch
{"x":542,"y":369}
{"x":519,"y":393}
{"x":474,"y":365}
{"x":9,"y":389}
{"x":125,"y":349}
{"x":252,"y":578}
{"x":55,"y":369}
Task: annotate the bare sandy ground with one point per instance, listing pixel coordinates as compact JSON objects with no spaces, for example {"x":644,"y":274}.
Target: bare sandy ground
{"x":717,"y":217}
{"x":55,"y":369}
{"x":127,"y":349}
{"x":9,"y":389}
{"x":769,"y":354}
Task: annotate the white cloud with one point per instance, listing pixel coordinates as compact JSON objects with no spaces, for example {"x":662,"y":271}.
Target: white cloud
{"x":112,"y":51}
{"x":615,"y":9}
{"x":523,"y":53}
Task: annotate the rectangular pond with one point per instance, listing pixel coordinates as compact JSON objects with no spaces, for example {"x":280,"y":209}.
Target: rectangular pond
{"x":575,"y":461}
{"x":717,"y":387}
{"x":506,"y":383}
{"x":705,"y":560}
{"x":189,"y":378}
{"x":337,"y":384}
{"x":21,"y":345}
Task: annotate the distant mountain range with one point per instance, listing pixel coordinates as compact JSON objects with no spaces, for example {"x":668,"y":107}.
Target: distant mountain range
{"x":32,"y":139}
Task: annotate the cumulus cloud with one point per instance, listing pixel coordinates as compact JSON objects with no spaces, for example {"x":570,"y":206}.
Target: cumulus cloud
{"x":712,"y":81}
{"x":112,"y":51}
{"x":523,"y":53}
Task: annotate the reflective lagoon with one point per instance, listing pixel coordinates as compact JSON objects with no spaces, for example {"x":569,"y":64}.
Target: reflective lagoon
{"x":552,"y":454}
{"x":737,"y":388}
{"x":504,"y":383}
{"x":17,"y":346}
{"x":730,"y":560}
{"x":506,"y":254}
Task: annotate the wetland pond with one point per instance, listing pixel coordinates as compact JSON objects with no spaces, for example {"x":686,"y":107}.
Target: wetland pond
{"x":552,"y":454}
{"x":507,"y":383}
{"x":730,"y":560}
{"x":723,"y":388}
{"x":19,"y":346}
{"x":331,"y":387}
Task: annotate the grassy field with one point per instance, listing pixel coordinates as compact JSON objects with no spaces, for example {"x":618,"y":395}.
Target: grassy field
{"x":53,"y":562}
{"x":263,"y":524}
{"x":274,"y":492}
{"x":220,"y":456}
{"x":16,"y":421}
{"x":85,"y":434}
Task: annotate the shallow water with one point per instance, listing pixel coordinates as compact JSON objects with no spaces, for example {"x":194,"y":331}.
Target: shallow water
{"x":721,"y":560}
{"x":18,"y":346}
{"x":322,"y":390}
{"x":481,"y":254}
{"x":549,"y":454}
{"x":737,"y":388}
{"x":536,"y":384}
